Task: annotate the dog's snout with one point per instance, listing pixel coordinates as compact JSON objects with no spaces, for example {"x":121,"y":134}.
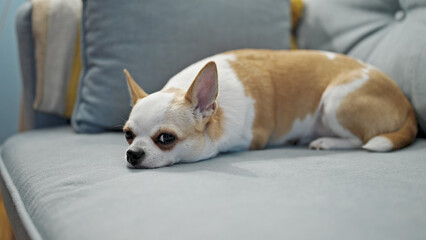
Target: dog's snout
{"x":134,"y":157}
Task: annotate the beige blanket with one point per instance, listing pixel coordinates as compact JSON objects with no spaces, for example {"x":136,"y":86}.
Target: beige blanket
{"x":58,"y":63}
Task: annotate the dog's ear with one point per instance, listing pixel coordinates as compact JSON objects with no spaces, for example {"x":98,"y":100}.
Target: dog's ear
{"x":203,"y":93}
{"x":136,"y":92}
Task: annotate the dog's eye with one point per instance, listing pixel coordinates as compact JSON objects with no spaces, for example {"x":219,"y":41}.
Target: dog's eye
{"x":166,"y":138}
{"x":129,"y":136}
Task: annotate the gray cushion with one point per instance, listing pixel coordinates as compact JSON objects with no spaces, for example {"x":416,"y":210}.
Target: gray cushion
{"x":156,"y":39}
{"x":390,"y":35}
{"x":75,"y":186}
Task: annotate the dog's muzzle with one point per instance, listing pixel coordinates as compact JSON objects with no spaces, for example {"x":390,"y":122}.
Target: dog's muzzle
{"x":135,"y":157}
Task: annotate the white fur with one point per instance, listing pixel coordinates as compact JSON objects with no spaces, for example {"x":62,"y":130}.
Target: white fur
{"x":301,"y":130}
{"x":379,"y":144}
{"x":152,"y":121}
{"x":152,"y":110}
{"x":189,"y":154}
{"x":330,"y":55}
{"x":236,"y":105}
{"x":328,"y":143}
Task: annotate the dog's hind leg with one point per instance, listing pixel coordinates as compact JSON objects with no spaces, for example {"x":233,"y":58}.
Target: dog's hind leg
{"x":330,"y":132}
{"x":329,"y":143}
{"x":365,"y":105}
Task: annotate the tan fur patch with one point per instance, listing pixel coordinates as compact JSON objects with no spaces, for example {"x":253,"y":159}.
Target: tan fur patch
{"x":383,"y":98}
{"x":287,"y":85}
{"x":127,"y":128}
{"x":213,"y":127}
{"x":406,"y":134}
{"x":136,"y":92}
{"x":177,"y":91}
{"x":167,"y":147}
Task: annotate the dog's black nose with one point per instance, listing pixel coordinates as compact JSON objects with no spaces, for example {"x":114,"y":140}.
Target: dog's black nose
{"x":135,"y":157}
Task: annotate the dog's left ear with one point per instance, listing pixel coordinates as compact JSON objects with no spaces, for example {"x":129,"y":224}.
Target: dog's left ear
{"x":136,"y":92}
{"x":203,"y":93}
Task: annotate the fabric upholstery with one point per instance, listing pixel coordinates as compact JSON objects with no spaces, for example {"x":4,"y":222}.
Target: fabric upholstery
{"x":78,"y":186}
{"x":390,"y":35}
{"x":23,"y":227}
{"x":154,"y":42}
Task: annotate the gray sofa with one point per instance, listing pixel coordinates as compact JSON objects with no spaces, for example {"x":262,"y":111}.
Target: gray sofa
{"x":57,"y":184}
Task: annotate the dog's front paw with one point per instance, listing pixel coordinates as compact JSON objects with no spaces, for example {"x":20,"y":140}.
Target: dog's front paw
{"x":320,"y":144}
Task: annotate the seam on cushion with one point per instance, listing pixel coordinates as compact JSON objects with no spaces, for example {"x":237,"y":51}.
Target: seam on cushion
{"x":422,"y":49}
{"x":418,"y":76}
{"x":19,"y":206}
{"x":367,"y":35}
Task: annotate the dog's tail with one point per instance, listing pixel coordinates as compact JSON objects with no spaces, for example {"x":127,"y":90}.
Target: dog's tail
{"x":395,"y":140}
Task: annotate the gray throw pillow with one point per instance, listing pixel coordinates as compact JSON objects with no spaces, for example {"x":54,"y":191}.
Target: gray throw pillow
{"x":155,"y":39}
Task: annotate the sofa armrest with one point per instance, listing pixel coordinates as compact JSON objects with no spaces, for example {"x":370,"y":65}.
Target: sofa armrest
{"x":30,"y":118}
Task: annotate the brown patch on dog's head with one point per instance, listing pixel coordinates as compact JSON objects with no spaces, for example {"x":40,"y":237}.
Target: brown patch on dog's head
{"x":128,"y":134}
{"x":179,"y":92}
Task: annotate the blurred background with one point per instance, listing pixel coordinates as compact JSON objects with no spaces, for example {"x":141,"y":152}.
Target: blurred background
{"x":10,"y":81}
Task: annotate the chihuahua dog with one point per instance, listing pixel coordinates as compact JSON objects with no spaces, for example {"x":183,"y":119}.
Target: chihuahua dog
{"x":252,"y":99}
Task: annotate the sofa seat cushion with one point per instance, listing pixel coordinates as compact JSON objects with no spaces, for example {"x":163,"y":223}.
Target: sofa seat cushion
{"x":390,"y":35}
{"x":76,"y":186}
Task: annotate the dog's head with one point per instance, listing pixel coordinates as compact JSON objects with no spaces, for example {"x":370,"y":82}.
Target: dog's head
{"x":169,"y":126}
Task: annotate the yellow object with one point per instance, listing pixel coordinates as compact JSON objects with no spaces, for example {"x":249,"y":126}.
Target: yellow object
{"x":5,"y":228}
{"x":297,"y":7}
{"x":74,"y":78}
